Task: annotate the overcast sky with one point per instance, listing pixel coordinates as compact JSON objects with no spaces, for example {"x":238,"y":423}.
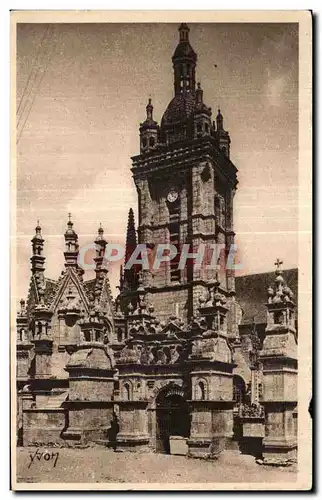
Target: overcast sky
{"x":81,"y":94}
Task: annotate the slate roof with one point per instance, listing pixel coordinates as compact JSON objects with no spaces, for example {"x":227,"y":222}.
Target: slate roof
{"x":251,"y":293}
{"x":180,"y":108}
{"x":184,"y":50}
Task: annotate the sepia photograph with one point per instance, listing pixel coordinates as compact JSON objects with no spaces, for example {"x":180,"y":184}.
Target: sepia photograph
{"x":161,"y":288}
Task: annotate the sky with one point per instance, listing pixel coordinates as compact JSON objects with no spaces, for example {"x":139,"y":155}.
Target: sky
{"x":81,"y":95}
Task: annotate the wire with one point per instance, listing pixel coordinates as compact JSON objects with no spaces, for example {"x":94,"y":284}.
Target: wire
{"x":32,"y":69}
{"x":35,"y":87}
{"x":35,"y":70}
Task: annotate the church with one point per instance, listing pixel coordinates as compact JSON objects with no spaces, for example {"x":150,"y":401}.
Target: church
{"x":188,"y":360}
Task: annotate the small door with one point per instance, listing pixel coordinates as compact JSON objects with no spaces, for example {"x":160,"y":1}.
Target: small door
{"x":173,"y":419}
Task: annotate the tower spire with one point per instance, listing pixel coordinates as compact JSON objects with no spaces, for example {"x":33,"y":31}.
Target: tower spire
{"x":184,"y":63}
{"x":38,"y":259}
{"x":130,"y":245}
{"x":71,"y":244}
{"x":100,"y":262}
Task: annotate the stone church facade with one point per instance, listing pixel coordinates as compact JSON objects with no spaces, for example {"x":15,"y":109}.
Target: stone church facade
{"x":191,"y":359}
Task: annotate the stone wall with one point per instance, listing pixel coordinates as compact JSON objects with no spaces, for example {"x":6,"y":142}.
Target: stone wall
{"x":43,"y":426}
{"x":91,"y":390}
{"x":165,"y":302}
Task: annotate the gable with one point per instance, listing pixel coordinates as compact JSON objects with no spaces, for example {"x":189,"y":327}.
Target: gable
{"x":70,"y":280}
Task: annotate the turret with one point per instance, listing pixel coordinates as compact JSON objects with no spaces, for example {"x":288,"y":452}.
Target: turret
{"x":100,"y":262}
{"x":43,"y":339}
{"x":222,"y":135}
{"x":202,"y":117}
{"x":71,"y":245}
{"x":38,"y":259}
{"x":148,"y":131}
{"x":280,"y":306}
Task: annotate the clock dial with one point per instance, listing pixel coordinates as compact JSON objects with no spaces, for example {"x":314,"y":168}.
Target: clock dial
{"x":172,"y":196}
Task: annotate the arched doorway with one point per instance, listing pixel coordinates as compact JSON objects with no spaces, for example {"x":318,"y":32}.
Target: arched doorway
{"x":172,"y":418}
{"x":239,"y":397}
{"x":239,"y":389}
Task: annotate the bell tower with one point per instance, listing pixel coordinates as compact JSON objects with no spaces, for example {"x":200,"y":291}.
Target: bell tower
{"x":186,"y":184}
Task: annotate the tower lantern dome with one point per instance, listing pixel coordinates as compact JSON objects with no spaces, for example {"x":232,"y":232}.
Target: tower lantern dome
{"x":184,"y":64}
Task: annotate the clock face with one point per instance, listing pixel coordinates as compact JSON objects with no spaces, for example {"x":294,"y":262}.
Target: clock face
{"x":172,"y":196}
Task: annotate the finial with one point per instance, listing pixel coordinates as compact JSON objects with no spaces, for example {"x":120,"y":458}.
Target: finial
{"x":199,"y":85}
{"x":149,"y":110}
{"x":37,"y":236}
{"x":220,"y":120}
{"x":70,"y":223}
{"x":278,"y":265}
{"x":100,"y":238}
{"x":38,"y":228}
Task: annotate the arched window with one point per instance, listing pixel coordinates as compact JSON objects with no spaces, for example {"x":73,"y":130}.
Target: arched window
{"x":207,"y":128}
{"x":119,"y":334}
{"x":239,"y":389}
{"x":144,"y":142}
{"x":127,"y":392}
{"x":152,"y":142}
{"x":201,"y":390}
